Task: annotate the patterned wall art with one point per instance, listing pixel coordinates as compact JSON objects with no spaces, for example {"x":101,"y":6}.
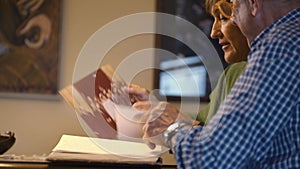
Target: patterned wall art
{"x":29,"y":48}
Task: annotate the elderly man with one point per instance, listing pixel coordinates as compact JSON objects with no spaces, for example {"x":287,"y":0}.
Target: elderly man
{"x":258,"y":125}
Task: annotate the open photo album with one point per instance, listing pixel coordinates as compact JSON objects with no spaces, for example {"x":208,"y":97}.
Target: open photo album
{"x":103,"y":105}
{"x":104,"y":109}
{"x":114,"y":129}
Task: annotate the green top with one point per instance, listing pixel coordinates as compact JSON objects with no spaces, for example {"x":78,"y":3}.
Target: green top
{"x":223,"y":87}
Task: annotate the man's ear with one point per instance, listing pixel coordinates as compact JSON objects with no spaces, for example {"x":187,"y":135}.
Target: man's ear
{"x":254,"y":6}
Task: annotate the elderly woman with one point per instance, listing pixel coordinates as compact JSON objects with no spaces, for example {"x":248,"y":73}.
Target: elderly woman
{"x":235,"y":47}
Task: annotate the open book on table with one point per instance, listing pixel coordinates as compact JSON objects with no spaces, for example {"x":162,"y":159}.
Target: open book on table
{"x":105,"y":111}
{"x":96,"y":150}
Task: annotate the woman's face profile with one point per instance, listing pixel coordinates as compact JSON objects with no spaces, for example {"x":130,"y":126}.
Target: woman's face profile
{"x":233,"y":42}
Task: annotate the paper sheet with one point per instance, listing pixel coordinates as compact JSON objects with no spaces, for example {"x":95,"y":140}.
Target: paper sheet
{"x":79,"y":144}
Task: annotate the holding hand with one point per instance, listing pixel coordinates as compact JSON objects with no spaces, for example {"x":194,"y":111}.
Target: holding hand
{"x":159,"y":116}
{"x":140,"y":93}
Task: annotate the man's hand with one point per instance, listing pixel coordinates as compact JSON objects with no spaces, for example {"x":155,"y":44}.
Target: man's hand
{"x":159,"y":116}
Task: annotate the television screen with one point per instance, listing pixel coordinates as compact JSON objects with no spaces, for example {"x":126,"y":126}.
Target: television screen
{"x":183,"y":77}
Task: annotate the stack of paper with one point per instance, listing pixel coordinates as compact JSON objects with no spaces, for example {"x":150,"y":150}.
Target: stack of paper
{"x":97,"y":150}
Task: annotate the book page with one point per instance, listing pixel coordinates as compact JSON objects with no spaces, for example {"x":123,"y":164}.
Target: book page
{"x":87,"y":145}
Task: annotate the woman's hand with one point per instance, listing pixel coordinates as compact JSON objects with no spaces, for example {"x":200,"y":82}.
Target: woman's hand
{"x":140,"y":93}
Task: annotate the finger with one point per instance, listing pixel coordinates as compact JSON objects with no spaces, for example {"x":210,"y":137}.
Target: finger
{"x":156,"y":138}
{"x":161,"y":116}
{"x":153,"y":129}
{"x":134,"y":85}
{"x":135,"y":89}
{"x":138,"y":91}
{"x":142,"y":105}
{"x":148,"y":142}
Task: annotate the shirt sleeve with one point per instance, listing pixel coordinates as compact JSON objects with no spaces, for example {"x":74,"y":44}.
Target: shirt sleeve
{"x":252,"y":115}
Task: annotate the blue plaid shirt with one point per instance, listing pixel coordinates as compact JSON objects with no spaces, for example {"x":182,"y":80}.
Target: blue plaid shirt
{"x":258,"y":125}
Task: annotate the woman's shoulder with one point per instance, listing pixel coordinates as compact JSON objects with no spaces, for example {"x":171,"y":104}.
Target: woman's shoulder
{"x":235,"y":68}
{"x":232,"y":73}
{"x":238,"y":65}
